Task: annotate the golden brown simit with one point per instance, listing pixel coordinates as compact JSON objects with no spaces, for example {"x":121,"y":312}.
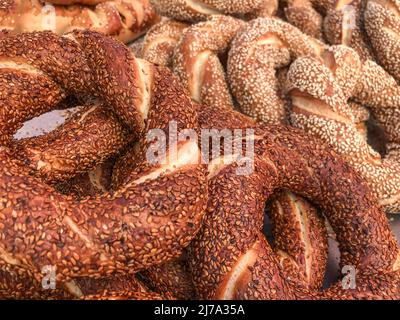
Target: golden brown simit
{"x":261,"y":48}
{"x":303,"y":255}
{"x":146,"y":221}
{"x":382,"y":24}
{"x":307,"y":15}
{"x":197,"y":64}
{"x":124,"y":19}
{"x":198,"y":10}
{"x":161,"y":40}
{"x":344,"y":24}
{"x":320,"y":107}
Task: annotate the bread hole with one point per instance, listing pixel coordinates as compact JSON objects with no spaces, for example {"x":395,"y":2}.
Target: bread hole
{"x":332,"y":271}
{"x":42,"y":124}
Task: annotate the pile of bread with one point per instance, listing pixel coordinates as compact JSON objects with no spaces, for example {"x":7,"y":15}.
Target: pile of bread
{"x":127,"y":200}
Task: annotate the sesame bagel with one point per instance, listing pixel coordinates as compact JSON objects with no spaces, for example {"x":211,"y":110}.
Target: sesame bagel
{"x":303,"y":254}
{"x":31,"y":76}
{"x":196,"y":61}
{"x":198,"y":10}
{"x":304,"y":15}
{"x":344,"y":24}
{"x":320,"y":107}
{"x":237,"y":262}
{"x":382,"y":24}
{"x":300,"y":242}
{"x":124,"y":19}
{"x":14,"y":286}
{"x":138,"y":225}
{"x":160,"y":42}
{"x":75,"y":147}
{"x":258,"y":50}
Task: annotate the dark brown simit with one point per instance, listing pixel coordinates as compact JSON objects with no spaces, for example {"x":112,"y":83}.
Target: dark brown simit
{"x":145,"y":222}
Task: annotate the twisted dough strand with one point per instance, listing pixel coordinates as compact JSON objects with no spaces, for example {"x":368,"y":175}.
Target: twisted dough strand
{"x":196,"y":61}
{"x":161,"y":40}
{"x":382,"y":24}
{"x":320,"y":107}
{"x":237,"y":263}
{"x":198,"y":10}
{"x":108,"y":233}
{"x":344,"y":24}
{"x":124,"y":19}
{"x":262,"y":47}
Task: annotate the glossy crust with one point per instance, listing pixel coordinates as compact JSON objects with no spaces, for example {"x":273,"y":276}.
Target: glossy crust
{"x":196,"y":61}
{"x":258,"y":50}
{"x":29,"y":76}
{"x":320,"y":107}
{"x":300,"y":242}
{"x":39,"y":70}
{"x":136,"y":227}
{"x":124,"y":19}
{"x":237,"y":263}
